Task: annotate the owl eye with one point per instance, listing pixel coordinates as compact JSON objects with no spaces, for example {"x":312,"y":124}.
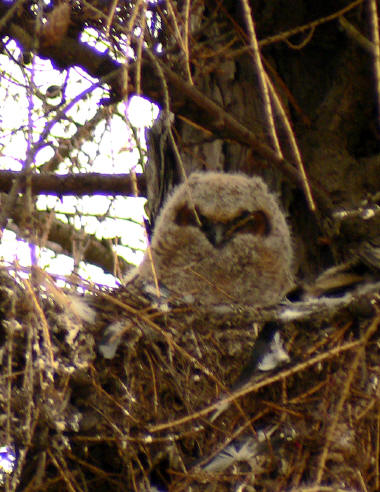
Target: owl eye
{"x":256,"y":223}
{"x":187,"y":216}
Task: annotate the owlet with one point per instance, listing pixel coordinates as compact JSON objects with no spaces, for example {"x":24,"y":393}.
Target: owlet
{"x":221,"y":238}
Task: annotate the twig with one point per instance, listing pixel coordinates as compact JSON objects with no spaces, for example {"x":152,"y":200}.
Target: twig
{"x":316,"y":309}
{"x":343,"y":397}
{"x":45,"y":327}
{"x":287,"y":34}
{"x":182,"y":42}
{"x":254,"y":387}
{"x":263,"y":83}
{"x":356,"y":35}
{"x":293,"y":145}
{"x":11,"y":10}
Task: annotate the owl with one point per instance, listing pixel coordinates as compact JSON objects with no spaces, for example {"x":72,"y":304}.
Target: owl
{"x":221,"y":238}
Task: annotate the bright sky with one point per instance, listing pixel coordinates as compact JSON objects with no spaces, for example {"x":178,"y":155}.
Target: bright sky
{"x":117,"y":153}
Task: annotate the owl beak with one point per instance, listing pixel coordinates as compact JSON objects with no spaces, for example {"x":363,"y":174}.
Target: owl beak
{"x":216,"y":235}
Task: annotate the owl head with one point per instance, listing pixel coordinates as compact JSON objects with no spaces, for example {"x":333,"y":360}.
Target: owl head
{"x":221,"y":238}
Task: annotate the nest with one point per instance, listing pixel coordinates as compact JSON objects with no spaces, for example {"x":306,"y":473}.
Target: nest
{"x":145,"y":419}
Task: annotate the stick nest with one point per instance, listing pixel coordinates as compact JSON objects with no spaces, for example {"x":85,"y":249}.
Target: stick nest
{"x":143,"y":420}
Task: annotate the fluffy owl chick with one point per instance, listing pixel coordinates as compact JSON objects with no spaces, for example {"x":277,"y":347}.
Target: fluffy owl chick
{"x":221,"y":238}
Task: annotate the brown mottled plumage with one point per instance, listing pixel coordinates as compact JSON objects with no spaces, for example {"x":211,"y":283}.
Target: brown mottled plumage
{"x":221,"y":238}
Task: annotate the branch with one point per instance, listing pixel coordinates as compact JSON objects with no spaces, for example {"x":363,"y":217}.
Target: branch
{"x":316,"y":310}
{"x":70,"y":52}
{"x":75,"y":184}
{"x":188,"y":102}
{"x":83,"y":133}
{"x":61,"y":238}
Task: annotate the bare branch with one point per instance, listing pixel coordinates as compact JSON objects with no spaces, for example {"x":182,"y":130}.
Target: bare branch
{"x":75,"y":184}
{"x":61,"y":238}
{"x":187,"y":101}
